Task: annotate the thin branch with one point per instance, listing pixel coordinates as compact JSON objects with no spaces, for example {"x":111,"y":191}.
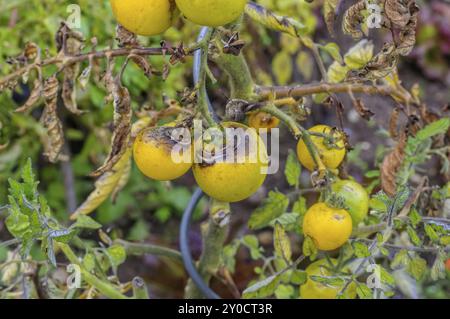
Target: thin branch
{"x":142,"y":249}
{"x":70,"y":60}
{"x":317,"y":88}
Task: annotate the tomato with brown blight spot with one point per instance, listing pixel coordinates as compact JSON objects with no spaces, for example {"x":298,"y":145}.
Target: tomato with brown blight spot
{"x":154,"y":154}
{"x":232,"y":181}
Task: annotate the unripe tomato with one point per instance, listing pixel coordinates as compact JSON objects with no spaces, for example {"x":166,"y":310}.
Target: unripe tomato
{"x":316,"y":290}
{"x":144,"y":17}
{"x":211,"y":13}
{"x":355,"y":198}
{"x":259,"y":120}
{"x":331,"y":155}
{"x":153,"y":150}
{"x":328,"y":227}
{"x":236,"y":180}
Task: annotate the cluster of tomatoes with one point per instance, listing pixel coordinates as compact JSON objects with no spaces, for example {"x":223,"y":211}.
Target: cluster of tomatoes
{"x":328,"y":225}
{"x":154,"y":17}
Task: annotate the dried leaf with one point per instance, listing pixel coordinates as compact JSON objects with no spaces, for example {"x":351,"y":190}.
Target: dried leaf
{"x":35,"y":95}
{"x":398,"y":12}
{"x":393,"y":122}
{"x":383,"y":64}
{"x":353,"y":18}
{"x":274,"y":21}
{"x":391,"y":165}
{"x":104,"y":186}
{"x":408,"y":34}
{"x":123,"y":180}
{"x":68,"y":93}
{"x":55,"y":135}
{"x":362,"y":110}
{"x":122,"y":126}
{"x":329,"y":8}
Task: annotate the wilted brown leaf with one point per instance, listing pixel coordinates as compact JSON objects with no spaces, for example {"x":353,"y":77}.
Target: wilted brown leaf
{"x":35,"y":95}
{"x":122,"y":126}
{"x":55,"y":136}
{"x":353,"y":18}
{"x":391,"y":165}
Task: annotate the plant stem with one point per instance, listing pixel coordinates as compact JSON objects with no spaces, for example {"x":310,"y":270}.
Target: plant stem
{"x":104,"y":287}
{"x":241,"y":81}
{"x":70,"y":60}
{"x":213,"y":241}
{"x":317,"y":88}
{"x":288,"y":120}
{"x":139,"y":288}
{"x":142,"y":249}
{"x":201,"y":86}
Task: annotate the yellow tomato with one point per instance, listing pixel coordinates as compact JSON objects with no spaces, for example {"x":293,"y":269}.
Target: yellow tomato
{"x":331,"y":155}
{"x":259,"y":120}
{"x":355,"y":198}
{"x":232,"y":181}
{"x":316,"y":290}
{"x":144,"y":17}
{"x":212,"y":13}
{"x":328,"y":227}
{"x":159,"y":157}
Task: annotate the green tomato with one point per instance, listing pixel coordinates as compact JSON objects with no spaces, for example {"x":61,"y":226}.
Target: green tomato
{"x":355,"y":199}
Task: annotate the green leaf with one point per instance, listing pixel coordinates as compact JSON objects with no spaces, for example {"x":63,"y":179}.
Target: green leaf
{"x":299,"y":277}
{"x":363,"y":291}
{"x":284,"y":292}
{"x":438,"y":268}
{"x":415,"y":239}
{"x":281,"y":243}
{"x":292,"y":170}
{"x":438,"y":127}
{"x":431,"y":233}
{"x":84,"y":221}
{"x":386,"y":277}
{"x":274,"y":205}
{"x":400,"y":259}
{"x":415,"y":217}
{"x":333,"y":50}
{"x":417,"y":267}
{"x":117,"y":254}
{"x":290,"y":221}
{"x":300,"y":206}
{"x":229,"y":255}
{"x":263,"y":288}
{"x":331,"y":281}
{"x":372,"y":174}
{"x":251,"y":242}
{"x":89,"y":262}
{"x":361,"y":250}
{"x":359,"y":55}
{"x":309,"y":249}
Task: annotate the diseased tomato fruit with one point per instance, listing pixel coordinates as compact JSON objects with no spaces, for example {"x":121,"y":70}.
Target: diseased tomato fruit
{"x":316,"y":290}
{"x":159,"y":156}
{"x":145,"y":17}
{"x":328,"y":227}
{"x":331,"y":155}
{"x":258,"y":120}
{"x":227,"y":179}
{"x":212,"y":13}
{"x":355,"y":198}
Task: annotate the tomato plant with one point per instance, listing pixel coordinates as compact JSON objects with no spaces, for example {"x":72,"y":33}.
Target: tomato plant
{"x":322,"y":156}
